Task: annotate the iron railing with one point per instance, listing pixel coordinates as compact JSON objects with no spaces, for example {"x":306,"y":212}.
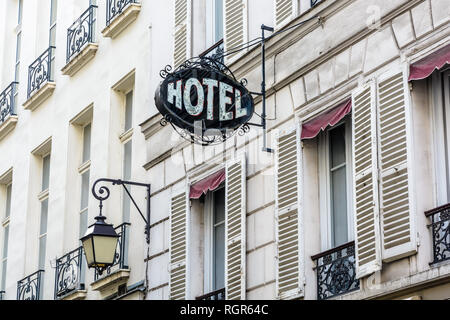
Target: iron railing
{"x":215,"y":295}
{"x":41,"y":71}
{"x":2,"y":294}
{"x":440,"y":226}
{"x":215,"y":52}
{"x":69,"y":275}
{"x":121,"y":256}
{"x":314,"y":2}
{"x":336,"y":271}
{"x":81,"y":32}
{"x":29,"y":288}
{"x":115,"y":8}
{"x":7,"y":103}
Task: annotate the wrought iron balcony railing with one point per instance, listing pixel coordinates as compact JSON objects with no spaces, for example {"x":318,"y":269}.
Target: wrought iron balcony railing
{"x":336,"y":271}
{"x":2,"y":294}
{"x":215,"y":52}
{"x":29,"y":288}
{"x":81,"y":32}
{"x":440,"y":226}
{"x":7,"y":103}
{"x":116,"y":7}
{"x":41,"y":71}
{"x":121,"y":256}
{"x":215,"y":295}
{"x":69,"y":275}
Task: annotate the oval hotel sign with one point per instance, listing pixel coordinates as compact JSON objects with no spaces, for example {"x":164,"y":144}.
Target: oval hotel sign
{"x":198,"y":97}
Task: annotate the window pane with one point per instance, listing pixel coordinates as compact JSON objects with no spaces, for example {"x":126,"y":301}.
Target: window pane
{"x":4,"y":263}
{"x":44,"y":216}
{"x":19,"y":15}
{"x":45,"y":172}
{"x":83,"y":222}
{"x":219,"y":257}
{"x":53,"y":11}
{"x":86,"y":143}
{"x":129,"y":111}
{"x":42,"y":245}
{"x":337,"y":146}
{"x":18,"y":45}
{"x":219,"y":206}
{"x":85,"y":190}
{"x":126,"y":176}
{"x":8,"y":201}
{"x":218,"y":20}
{"x":339,"y":207}
{"x":52,"y":40}
{"x":5,"y":242}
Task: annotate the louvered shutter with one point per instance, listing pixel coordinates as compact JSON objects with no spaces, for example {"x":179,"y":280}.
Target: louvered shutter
{"x":285,"y":10}
{"x":182,"y":32}
{"x":365,"y":185}
{"x":178,"y":247}
{"x":289,"y":272}
{"x":394,"y":149}
{"x":235,"y":227}
{"x":235,"y":28}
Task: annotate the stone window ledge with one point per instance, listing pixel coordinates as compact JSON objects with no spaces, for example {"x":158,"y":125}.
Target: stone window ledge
{"x":82,"y":58}
{"x":7,"y":126}
{"x":122,"y":21}
{"x":40,"y":96}
{"x":116,"y":278}
{"x":75,"y":295}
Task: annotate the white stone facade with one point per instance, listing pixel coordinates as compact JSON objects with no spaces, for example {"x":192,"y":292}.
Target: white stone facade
{"x":343,"y":46}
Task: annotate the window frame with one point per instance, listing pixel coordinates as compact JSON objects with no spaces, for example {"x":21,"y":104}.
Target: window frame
{"x":208,"y":217}
{"x":211,"y":23}
{"x":325,"y":184}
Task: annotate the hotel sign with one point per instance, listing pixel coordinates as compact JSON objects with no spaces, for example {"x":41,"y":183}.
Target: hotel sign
{"x":204,"y":101}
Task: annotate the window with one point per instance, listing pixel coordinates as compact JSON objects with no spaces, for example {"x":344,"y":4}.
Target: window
{"x":214,"y":22}
{"x":335,"y":185}
{"x":84,"y":171}
{"x":4,"y":257}
{"x":215,"y":240}
{"x":43,"y":197}
{"x":18,"y":46}
{"x":52,"y":34}
{"x":440,"y":84}
{"x":127,"y":151}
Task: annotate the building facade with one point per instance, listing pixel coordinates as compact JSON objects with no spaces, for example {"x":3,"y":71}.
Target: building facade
{"x":351,"y":203}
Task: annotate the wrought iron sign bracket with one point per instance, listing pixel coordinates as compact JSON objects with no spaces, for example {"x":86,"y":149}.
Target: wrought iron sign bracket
{"x":263,"y":124}
{"x":119,"y":182}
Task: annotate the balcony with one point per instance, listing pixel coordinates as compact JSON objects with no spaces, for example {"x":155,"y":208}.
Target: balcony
{"x":81,"y":46}
{"x":69,"y":276}
{"x":29,"y":288}
{"x":215,"y":295}
{"x":336,"y":272}
{"x":119,"y":14}
{"x":40,"y":79}
{"x":8,"y":117}
{"x":440,"y":226}
{"x":118,"y":273}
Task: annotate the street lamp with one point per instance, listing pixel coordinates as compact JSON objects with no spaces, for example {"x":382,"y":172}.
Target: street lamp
{"x":100,"y":241}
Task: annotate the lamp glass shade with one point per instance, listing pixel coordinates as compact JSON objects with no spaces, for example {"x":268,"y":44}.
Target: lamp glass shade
{"x":99,"y":244}
{"x":104,"y":250}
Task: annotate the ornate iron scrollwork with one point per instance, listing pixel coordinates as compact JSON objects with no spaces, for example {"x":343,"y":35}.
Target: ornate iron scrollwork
{"x":29,"y":288}
{"x":115,"y":7}
{"x":440,"y":224}
{"x":336,"y":272}
{"x":7,"y":102}
{"x":80,"y":32}
{"x":40,"y":71}
{"x":68,"y":275}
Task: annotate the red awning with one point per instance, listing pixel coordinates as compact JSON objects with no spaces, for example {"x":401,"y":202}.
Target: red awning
{"x":435,"y":61}
{"x":312,"y":128}
{"x":211,"y":183}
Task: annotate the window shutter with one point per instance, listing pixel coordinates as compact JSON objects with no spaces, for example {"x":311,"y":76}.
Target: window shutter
{"x":235,"y":28}
{"x":289,"y":237}
{"x":182,"y":32}
{"x":285,"y":11}
{"x":178,"y":247}
{"x":394,"y":147}
{"x":235,"y":227}
{"x":365,"y":185}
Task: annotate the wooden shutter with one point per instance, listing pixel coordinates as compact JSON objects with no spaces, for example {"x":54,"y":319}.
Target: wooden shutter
{"x":182,"y":32}
{"x":235,"y":227}
{"x":285,"y":11}
{"x":289,"y":272}
{"x":178,"y":247}
{"x":235,"y":28}
{"x":394,"y":149}
{"x":365,"y":185}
